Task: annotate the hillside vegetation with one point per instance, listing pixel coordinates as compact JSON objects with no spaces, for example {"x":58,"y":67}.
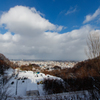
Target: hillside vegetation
{"x":5,"y":64}
{"x":84,"y":75}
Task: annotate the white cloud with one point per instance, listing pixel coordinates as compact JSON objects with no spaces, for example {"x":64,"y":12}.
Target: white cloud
{"x":22,"y":19}
{"x":71,"y":10}
{"x":32,"y":41}
{"x":35,"y":11}
{"x":89,"y":17}
{"x":59,"y":28}
{"x":9,"y":37}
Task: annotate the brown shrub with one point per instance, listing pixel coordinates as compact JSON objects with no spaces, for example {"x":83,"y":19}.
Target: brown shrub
{"x":83,"y":76}
{"x":25,"y":67}
{"x":3,"y":66}
{"x":57,"y":67}
{"x":79,"y":84}
{"x":34,"y":65}
{"x":52,"y":86}
{"x":87,"y":68}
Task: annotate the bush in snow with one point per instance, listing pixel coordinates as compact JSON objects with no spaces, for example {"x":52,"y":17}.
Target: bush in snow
{"x":53,"y":86}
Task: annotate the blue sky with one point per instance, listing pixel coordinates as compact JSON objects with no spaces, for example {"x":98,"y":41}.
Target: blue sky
{"x":55,"y":10}
{"x":61,"y":21}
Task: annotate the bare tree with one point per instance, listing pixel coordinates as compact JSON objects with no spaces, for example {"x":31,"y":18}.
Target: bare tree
{"x":93,"y":43}
{"x":4,"y":93}
{"x":93,"y":53}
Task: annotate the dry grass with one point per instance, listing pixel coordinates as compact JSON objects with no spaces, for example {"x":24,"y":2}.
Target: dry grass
{"x":83,"y":76}
{"x":30,"y":67}
{"x":26,"y":67}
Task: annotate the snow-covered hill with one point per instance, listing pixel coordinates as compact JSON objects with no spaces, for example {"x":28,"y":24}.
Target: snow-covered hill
{"x":26,"y":81}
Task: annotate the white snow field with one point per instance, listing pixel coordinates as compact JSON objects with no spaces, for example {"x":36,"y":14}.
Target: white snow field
{"x":9,"y":72}
{"x":27,"y":81}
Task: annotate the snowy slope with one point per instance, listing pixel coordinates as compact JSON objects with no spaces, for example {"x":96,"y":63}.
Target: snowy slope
{"x":21,"y":85}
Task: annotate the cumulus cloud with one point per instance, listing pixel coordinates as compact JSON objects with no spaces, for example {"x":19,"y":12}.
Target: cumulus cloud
{"x":89,"y":17}
{"x":36,"y":38}
{"x":22,"y":19}
{"x":9,"y":37}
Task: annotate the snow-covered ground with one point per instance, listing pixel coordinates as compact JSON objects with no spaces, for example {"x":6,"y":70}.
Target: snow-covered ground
{"x":9,"y":72}
{"x":25,"y":81}
{"x":78,"y":95}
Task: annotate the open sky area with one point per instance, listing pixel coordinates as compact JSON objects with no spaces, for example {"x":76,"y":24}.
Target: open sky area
{"x":47,"y":29}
